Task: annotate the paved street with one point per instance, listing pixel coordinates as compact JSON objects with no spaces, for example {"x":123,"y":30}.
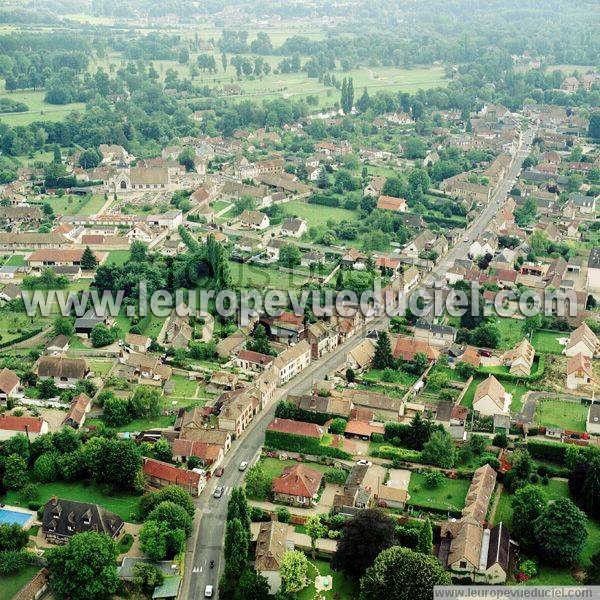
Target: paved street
{"x":206,"y":541}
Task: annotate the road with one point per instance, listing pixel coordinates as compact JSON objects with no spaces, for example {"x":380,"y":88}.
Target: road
{"x":206,"y":542}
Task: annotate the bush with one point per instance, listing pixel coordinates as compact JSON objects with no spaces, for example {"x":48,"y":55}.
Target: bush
{"x":500,"y":440}
{"x":547,"y":450}
{"x":377,"y":438}
{"x":338,"y":426}
{"x":528,"y":567}
{"x":284,"y":515}
{"x":302,"y":444}
{"x":433,"y":479}
{"x":258,"y":515}
{"x":336,"y":476}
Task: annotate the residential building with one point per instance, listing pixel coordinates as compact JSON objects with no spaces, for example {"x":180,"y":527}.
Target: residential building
{"x":323,"y":337}
{"x":296,"y":428}
{"x":520,"y":358}
{"x":359,"y":358}
{"x":138,"y":343}
{"x":66,"y":372}
{"x":391,"y":203}
{"x":298,"y":485}
{"x":49,"y":257}
{"x":593,"y":271}
{"x":254,"y":219}
{"x":434,"y":335}
{"x":9,"y":384}
{"x":64,"y":518}
{"x":292,"y":361}
{"x":237,"y":412}
{"x":253,"y":361}
{"x":57,"y":345}
{"x":271,"y":544}
{"x":355,"y":493}
{"x":211,"y":455}
{"x":592,"y":424}
{"x":159,"y":474}
{"x":583,"y":341}
{"x":80,"y":406}
{"x":292,"y":227}
{"x":579,"y":371}
{"x":10,"y":425}
{"x":491,"y":398}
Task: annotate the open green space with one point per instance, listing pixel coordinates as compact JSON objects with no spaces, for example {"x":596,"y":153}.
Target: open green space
{"x":510,"y":331}
{"x":39,"y":110}
{"x":449,"y":495}
{"x":249,"y":276}
{"x":273,"y":467}
{"x":100,"y":367}
{"x":317,"y":214}
{"x":75,"y":205}
{"x":380,"y":376}
{"x":11,"y":584}
{"x":547,"y":341}
{"x":15,"y":260}
{"x":184,"y":387}
{"x":118,"y":257}
{"x":121,"y":504}
{"x":561,"y":414}
{"x":342,"y":588}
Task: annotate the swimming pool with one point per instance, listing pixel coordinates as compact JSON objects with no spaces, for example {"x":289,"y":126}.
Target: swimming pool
{"x":14,"y":516}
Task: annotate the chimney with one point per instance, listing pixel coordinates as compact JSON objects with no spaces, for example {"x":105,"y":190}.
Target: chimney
{"x":54,"y":500}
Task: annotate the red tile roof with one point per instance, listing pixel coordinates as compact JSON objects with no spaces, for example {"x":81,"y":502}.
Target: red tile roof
{"x":207,"y":452}
{"x":298,"y":480}
{"x":167,"y":472}
{"x":295,"y":427}
{"x":255,"y":357}
{"x":362,"y":428}
{"x":12,"y":423}
{"x":8,"y":380}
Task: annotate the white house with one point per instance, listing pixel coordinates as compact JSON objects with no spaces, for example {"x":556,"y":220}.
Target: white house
{"x":139,"y":233}
{"x":579,"y":371}
{"x":583,"y":341}
{"x":293,"y":227}
{"x":292,"y":361}
{"x":491,"y":398}
{"x":254,"y":219}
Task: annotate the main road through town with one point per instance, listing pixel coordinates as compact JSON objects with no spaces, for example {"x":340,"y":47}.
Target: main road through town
{"x":206,"y":541}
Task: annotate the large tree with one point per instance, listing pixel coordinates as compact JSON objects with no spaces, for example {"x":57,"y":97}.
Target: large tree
{"x":560,"y":532}
{"x":293,"y":569}
{"x":383,"y":358}
{"x":402,"y":574}
{"x":315,"y":530}
{"x":85,"y":568}
{"x":88,"y":259}
{"x":171,"y":493}
{"x":590,"y":491}
{"x":439,"y":450}
{"x":528,"y":503}
{"x":363,"y":538}
{"x":235,"y":550}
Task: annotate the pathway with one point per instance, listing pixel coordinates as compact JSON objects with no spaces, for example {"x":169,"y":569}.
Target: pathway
{"x":499,"y":491}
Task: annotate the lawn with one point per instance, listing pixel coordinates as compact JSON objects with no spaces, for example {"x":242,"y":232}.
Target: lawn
{"x":16,"y":260}
{"x":118,"y":257}
{"x":184,"y":387}
{"x":317,"y":214}
{"x":547,"y":341}
{"x":450,"y":495}
{"x":75,"y":205}
{"x":11,"y":584}
{"x":161,"y":422}
{"x":273,"y":467}
{"x":252,"y":276}
{"x":39,"y":110}
{"x":510,"y":331}
{"x":100,"y":367}
{"x":516,"y":389}
{"x":342,"y":587}
{"x":121,"y":504}
{"x":401,"y":377}
{"x":562,"y":414}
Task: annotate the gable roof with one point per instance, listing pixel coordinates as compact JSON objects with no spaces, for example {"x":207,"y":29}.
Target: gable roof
{"x":584,"y":334}
{"x":295,"y":427}
{"x":14,"y":423}
{"x":391,"y":203}
{"x":579,"y":362}
{"x":170,"y":473}
{"x":8,"y":380}
{"x":271,"y":545}
{"x":298,"y":480}
{"x":493,"y":388}
{"x":480,"y":493}
{"x":61,"y":366}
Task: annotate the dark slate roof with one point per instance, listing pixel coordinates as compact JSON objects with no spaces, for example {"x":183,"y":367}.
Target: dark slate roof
{"x":433,"y":328}
{"x":65,"y":518}
{"x":499,"y":550}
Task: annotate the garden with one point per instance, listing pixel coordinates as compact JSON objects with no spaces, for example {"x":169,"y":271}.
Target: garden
{"x":447,"y":495}
{"x":561,"y":414}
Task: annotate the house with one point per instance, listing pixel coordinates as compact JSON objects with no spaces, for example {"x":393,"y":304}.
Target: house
{"x":49,"y":257}
{"x":64,"y":518}
{"x":31,"y":426}
{"x":363,"y":429}
{"x":159,"y":474}
{"x":490,"y":398}
{"x":84,"y":325}
{"x":392,"y":497}
{"x":354,"y":259}
{"x":271,"y":544}
{"x":579,"y":371}
{"x":10,"y":292}
{"x":237,"y":412}
{"x":292,"y":227}
{"x":253,"y":361}
{"x":406,"y":348}
{"x":434,"y":335}
{"x":254,"y":219}
{"x":292,"y":361}
{"x":298,"y":485}
{"x":355,"y":493}
{"x":592,"y":424}
{"x":140,"y":233}
{"x":374,"y":187}
{"x":296,"y":428}
{"x":593,"y":271}
{"x":392,"y":203}
{"x":323,"y":338}
{"x":360,"y":357}
{"x":66,"y":372}
{"x":9,"y":384}
{"x":166,"y":221}
{"x":584,"y":204}
{"x":231,"y":345}
{"x":172,"y":248}
{"x":421,"y":243}
{"x":145,"y":368}
{"x":520,"y":358}
{"x":211,"y":455}
{"x":57,"y":345}
{"x":311,"y":258}
{"x":138,"y":343}
{"x":177,"y":332}
{"x":80,"y":406}
{"x":583,"y":341}
{"x":325,"y":405}
{"x":570,"y":85}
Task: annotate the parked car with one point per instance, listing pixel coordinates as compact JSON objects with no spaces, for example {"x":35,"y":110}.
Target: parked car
{"x":243,"y":465}
{"x":218,"y":491}
{"x":208,"y":591}
{"x":219,"y":472}
{"x":363,"y":462}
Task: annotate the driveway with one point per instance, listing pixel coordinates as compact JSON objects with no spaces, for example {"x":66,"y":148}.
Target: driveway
{"x":399,"y":479}
{"x":374,"y":478}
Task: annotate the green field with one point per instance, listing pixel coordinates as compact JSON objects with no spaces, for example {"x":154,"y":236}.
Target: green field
{"x":316,"y":214}
{"x":450,"y":495}
{"x":510,"y":331}
{"x":252,"y":276}
{"x":11,"y":584}
{"x":559,"y":413}
{"x":547,"y":341}
{"x":75,"y":205}
{"x":118,"y":257}
{"x":119,"y":503}
{"x":15,"y":260}
{"x":184,"y":388}
{"x":273,"y":467}
{"x":38,"y":109}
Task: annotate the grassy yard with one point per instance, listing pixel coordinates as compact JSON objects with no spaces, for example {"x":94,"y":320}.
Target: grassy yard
{"x":510,"y":331}
{"x":401,"y":377}
{"x":75,"y":205}
{"x":118,"y":257}
{"x":317,"y":214}
{"x":273,"y":467}
{"x":559,"y":413}
{"x":11,"y":584}
{"x":15,"y":260}
{"x":252,"y":276}
{"x":100,"y":367}
{"x":184,"y":387}
{"x":450,"y":495}
{"x":121,"y":504}
{"x":547,"y":341}
{"x":342,"y":588}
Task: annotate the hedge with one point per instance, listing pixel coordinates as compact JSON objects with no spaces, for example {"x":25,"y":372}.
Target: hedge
{"x":541,"y":366}
{"x":21,"y":338}
{"x":391,"y":452}
{"x":547,"y":450}
{"x":324,"y":200}
{"x":301,"y":444}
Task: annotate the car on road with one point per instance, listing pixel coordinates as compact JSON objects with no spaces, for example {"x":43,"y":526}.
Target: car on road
{"x":364,"y":462}
{"x":243,"y":465}
{"x":208,"y":591}
{"x":219,"y":472}
{"x":466,"y":238}
{"x":218,"y":491}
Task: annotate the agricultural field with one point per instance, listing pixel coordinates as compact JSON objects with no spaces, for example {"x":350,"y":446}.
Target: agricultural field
{"x":39,"y":110}
{"x":562,"y":414}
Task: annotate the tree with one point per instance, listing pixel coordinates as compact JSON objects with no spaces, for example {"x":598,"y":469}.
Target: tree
{"x":47,"y":388}
{"x":594,"y":125}
{"x":175,"y":516}
{"x":237,"y":508}
{"x":293,"y":569}
{"x":15,"y":472}
{"x":383,"y":358}
{"x":363,"y":538}
{"x":63,"y":326}
{"x":530,"y":324}
{"x":102,"y":335}
{"x":162,"y":450}
{"x":439,"y":450}
{"x":528,"y":503}
{"x":500,"y":440}
{"x":116,"y":412}
{"x":258,"y":483}
{"x":487,"y":335}
{"x":12,"y":537}
{"x":315,"y":530}
{"x":159,"y":541}
{"x":259,"y":341}
{"x":90,"y":158}
{"x":592,"y":575}
{"x":84,"y":568}
{"x":46,"y":467}
{"x":235,"y":549}
{"x":146,"y":577}
{"x":401,"y":574}
{"x":138,"y":251}
{"x":289,"y":256}
{"x":88,"y":259}
{"x":425,"y":541}
{"x":170,"y":493}
{"x":284,"y":515}
{"x":116,"y":462}
{"x":252,"y":586}
{"x":590,"y":491}
{"x":338,"y":426}
{"x":560,"y":532}
{"x":418,"y":432}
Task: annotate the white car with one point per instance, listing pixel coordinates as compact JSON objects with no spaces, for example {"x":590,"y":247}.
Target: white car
{"x":243,"y":465}
{"x":208,"y":591}
{"x":364,"y":462}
